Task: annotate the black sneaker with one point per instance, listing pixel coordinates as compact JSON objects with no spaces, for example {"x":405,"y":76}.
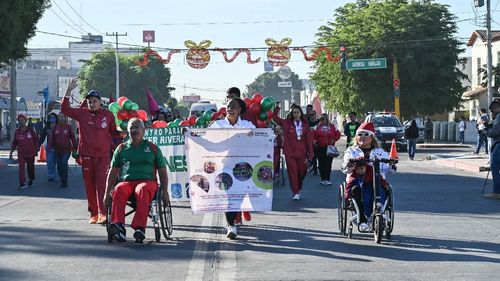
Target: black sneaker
{"x":118,"y":232}
{"x":64,"y":184}
{"x":139,"y":235}
{"x":30,"y":184}
{"x":51,"y":180}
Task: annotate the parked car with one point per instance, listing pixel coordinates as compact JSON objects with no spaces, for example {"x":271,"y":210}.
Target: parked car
{"x":420,"y":125}
{"x":387,"y":128}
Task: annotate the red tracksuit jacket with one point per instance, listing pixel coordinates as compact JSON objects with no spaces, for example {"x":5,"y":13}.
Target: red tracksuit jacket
{"x":26,"y":142}
{"x":326,"y":135}
{"x":96,"y":129}
{"x":292,"y":146}
{"x":63,"y":139}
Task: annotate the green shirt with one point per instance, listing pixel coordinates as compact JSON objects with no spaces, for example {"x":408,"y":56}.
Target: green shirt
{"x":138,"y":162}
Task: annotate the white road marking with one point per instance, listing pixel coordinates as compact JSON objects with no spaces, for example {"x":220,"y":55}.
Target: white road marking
{"x":197,"y":265}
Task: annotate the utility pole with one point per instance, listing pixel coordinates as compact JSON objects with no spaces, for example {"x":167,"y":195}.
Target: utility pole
{"x":490,"y":56}
{"x":116,"y":34}
{"x":13,"y":99}
{"x":395,"y":83}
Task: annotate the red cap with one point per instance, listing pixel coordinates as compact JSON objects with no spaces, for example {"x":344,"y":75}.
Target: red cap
{"x":366,"y":127}
{"x":21,"y":116}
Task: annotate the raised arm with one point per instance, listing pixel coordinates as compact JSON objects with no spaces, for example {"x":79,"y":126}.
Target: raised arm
{"x":276,"y":118}
{"x":66,"y":105}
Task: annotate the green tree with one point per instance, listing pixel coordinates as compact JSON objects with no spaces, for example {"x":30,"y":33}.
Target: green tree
{"x":420,"y":34}
{"x":99,"y":73}
{"x":496,"y":77}
{"x":18,"y":24}
{"x":267,"y":84}
{"x":183,"y":109}
{"x":171,"y":103}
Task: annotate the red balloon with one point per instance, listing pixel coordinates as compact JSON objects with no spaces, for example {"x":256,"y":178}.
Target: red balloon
{"x":159,"y":124}
{"x":184,"y":123}
{"x":248,"y":101}
{"x":261,"y":124}
{"x":222,"y":111}
{"x":257,"y":98}
{"x":192,"y":120}
{"x":132,"y":114}
{"x":121,"y":100}
{"x":216,"y":116}
{"x":122,"y":114}
{"x":254,"y":108}
{"x":143,"y":115}
{"x":269,"y":115}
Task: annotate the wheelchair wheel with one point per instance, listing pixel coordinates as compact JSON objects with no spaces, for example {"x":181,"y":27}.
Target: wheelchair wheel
{"x":342,"y":210}
{"x":378,"y":228}
{"x":157,"y":234}
{"x":389,"y":212}
{"x":165,"y":211}
{"x":108,"y":222}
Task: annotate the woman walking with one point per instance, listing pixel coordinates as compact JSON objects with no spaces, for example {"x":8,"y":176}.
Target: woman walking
{"x":26,"y":143}
{"x":325,"y":134}
{"x":47,"y":133}
{"x":297,"y":146}
{"x":411,"y":135}
{"x":63,"y":141}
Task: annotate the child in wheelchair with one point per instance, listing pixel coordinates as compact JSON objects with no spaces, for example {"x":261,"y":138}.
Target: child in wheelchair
{"x":359,"y":172}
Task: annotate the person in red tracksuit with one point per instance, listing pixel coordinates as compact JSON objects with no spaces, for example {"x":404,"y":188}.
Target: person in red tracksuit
{"x":26,"y":142}
{"x":63,"y":143}
{"x":297,"y":146}
{"x":325,"y":134}
{"x":96,"y":127}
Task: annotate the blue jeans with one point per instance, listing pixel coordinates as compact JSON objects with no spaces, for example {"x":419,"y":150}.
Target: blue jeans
{"x":412,"y":147}
{"x":495,"y":168}
{"x":366,"y":206}
{"x":480,"y":140}
{"x":462,"y":136}
{"x":62,"y":166}
{"x":51,"y":164}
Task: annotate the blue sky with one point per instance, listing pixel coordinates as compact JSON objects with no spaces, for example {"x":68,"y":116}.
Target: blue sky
{"x":228,"y":24}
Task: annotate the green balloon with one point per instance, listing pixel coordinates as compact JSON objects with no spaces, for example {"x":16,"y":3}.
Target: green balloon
{"x":127,"y":105}
{"x":207,"y":115}
{"x":135,"y":106}
{"x":267,"y":103}
{"x":200,"y":121}
{"x":124,"y":125}
{"x":173,"y":124}
{"x":114,"y":107}
{"x":118,"y":121}
{"x":263,"y":115}
{"x":177,"y":121}
{"x":74,"y":154}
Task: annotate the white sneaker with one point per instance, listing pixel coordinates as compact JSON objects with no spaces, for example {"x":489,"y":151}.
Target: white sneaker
{"x":364,"y":226}
{"x":322,"y":183}
{"x":296,"y":197}
{"x":327,"y":182}
{"x":231,"y":232}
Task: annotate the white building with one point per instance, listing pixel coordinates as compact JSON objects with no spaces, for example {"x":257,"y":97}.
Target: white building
{"x":477,"y":96}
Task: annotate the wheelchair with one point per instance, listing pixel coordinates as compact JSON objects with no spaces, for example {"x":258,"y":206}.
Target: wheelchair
{"x":160,"y":214}
{"x":382,"y":219}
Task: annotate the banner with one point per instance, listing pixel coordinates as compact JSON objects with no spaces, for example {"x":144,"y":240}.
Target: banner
{"x":171,"y":143}
{"x":230,"y":169}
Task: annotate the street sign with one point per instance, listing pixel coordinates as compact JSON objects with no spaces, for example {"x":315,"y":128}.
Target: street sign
{"x":148,"y":36}
{"x":285,"y":84}
{"x":362,"y":64}
{"x":284,"y":72}
{"x":194,"y":98}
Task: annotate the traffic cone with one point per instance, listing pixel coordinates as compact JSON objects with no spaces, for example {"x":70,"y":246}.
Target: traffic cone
{"x":42,"y":157}
{"x":393,"y":154}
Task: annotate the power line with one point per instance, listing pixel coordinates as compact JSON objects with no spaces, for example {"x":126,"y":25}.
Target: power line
{"x":98,"y":31}
{"x":52,"y":10}
{"x":64,"y":13}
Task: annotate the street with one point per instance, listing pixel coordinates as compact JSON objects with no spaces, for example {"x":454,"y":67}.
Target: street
{"x":444,"y":230}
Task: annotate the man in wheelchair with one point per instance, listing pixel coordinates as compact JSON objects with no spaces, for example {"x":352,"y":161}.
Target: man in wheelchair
{"x":135,"y":163}
{"x":359,"y":171}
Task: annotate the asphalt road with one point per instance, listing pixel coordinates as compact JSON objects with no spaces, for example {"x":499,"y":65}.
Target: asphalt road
{"x":444,"y":230}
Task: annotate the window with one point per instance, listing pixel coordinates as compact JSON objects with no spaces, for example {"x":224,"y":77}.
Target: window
{"x":479,"y":71}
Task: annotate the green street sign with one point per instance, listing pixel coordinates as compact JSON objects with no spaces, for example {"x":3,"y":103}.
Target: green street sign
{"x":363,"y":64}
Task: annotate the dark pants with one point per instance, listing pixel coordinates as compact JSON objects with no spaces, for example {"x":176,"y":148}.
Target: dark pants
{"x":495,"y":168}
{"x":62,"y":166}
{"x":315,"y":160}
{"x":412,"y":147}
{"x":482,"y":139}
{"x":230,"y":216}
{"x":325,"y":164}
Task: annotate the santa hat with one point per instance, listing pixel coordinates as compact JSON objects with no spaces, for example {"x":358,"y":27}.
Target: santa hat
{"x":366,"y":127}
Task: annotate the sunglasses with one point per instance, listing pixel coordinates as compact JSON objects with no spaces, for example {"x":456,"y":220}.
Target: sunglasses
{"x":363,"y":134}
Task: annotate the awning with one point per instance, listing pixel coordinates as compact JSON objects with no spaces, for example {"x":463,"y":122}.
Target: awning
{"x":476,"y":92}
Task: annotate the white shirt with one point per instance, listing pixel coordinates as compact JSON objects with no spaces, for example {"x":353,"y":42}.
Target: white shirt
{"x":461,"y":126}
{"x":224,"y":123}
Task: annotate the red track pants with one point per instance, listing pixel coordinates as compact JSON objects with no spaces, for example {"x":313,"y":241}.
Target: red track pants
{"x":95,"y":172}
{"x":143,"y":190}
{"x":30,"y":163}
{"x":297,"y":169}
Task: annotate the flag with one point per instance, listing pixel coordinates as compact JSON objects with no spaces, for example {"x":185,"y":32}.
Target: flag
{"x":153,"y":105}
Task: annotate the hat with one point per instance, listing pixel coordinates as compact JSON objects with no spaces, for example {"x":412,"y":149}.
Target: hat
{"x":52,"y":119}
{"x":21,"y":116}
{"x":366,"y":127}
{"x":93,"y":93}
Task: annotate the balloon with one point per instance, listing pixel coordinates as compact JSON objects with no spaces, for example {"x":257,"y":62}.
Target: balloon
{"x":143,"y":115}
{"x":74,"y":154}
{"x":147,"y":124}
{"x":184,"y":123}
{"x":114,"y":107}
{"x":132,"y":114}
{"x":121,"y":100}
{"x":267,"y":103}
{"x":159,"y":124}
{"x":222,"y":111}
{"x":215,"y":116}
{"x":192,"y":119}
{"x":257,"y":98}
{"x":248,"y":101}
{"x":177,"y":121}
{"x":261,"y":124}
{"x":207,"y":115}
{"x":118,"y":121}
{"x":122,"y":114}
{"x":254,"y":108}
{"x":270,"y":114}
{"x":173,"y":124}
{"x":263,"y":115}
{"x":124,"y":125}
{"x":200,"y":121}
{"x":135,"y":106}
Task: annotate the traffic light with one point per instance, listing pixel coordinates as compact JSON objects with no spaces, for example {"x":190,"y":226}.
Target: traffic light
{"x":343,"y":58}
{"x":478,"y":3}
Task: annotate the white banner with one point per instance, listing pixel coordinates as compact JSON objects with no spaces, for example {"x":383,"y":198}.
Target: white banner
{"x":230,"y":169}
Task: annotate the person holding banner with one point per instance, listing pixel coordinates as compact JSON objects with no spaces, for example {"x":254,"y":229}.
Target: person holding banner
{"x":297,"y":146}
{"x":235,"y":108}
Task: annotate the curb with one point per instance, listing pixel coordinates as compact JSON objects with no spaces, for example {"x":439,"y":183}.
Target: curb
{"x":443,"y":145}
{"x":458,"y":165}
